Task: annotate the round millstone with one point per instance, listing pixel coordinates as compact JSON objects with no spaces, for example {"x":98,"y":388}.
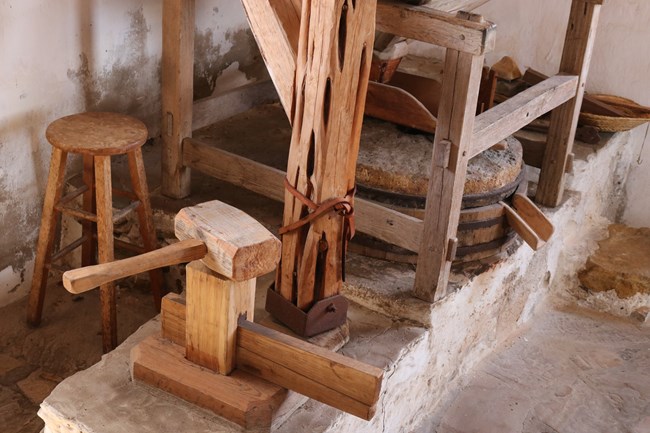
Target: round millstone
{"x":393,"y":160}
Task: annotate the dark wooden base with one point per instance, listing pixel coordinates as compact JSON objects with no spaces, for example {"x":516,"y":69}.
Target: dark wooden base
{"x":240,"y":397}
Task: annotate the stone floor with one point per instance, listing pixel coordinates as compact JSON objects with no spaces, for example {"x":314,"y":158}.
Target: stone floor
{"x":573,"y":371}
{"x":34,"y":360}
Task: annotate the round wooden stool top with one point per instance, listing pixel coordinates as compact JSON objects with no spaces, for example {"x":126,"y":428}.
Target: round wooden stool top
{"x":100,"y":134}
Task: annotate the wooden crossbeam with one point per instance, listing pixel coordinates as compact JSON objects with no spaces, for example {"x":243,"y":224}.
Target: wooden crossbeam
{"x":374,"y":219}
{"x":510,"y":116}
{"x":435,"y":27}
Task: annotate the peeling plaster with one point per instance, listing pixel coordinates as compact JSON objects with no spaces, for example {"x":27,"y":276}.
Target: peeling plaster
{"x":130,"y":82}
{"x":210,"y":63}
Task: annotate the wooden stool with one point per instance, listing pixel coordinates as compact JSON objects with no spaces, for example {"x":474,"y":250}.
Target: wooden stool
{"x":97,"y":136}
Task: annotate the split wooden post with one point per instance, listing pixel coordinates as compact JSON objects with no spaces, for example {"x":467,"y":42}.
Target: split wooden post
{"x":332,"y":70}
{"x":451,"y":152}
{"x":177,"y":94}
{"x":576,"y":57}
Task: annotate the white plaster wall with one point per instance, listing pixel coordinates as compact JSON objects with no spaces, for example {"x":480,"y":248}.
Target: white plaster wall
{"x":532,"y":32}
{"x":66,"y":56}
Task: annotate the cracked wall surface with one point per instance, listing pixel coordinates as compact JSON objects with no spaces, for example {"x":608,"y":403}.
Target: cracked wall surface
{"x":102,"y":55}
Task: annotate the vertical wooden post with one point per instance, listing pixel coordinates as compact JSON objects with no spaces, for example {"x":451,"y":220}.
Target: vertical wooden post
{"x":333,"y":65}
{"x":459,"y":95}
{"x":214,"y":304}
{"x":106,"y":249}
{"x":177,"y":85}
{"x":88,"y":227}
{"x":576,"y":57}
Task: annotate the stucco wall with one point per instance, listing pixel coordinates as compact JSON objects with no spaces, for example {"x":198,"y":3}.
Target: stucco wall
{"x":532,"y":32}
{"x":66,"y":56}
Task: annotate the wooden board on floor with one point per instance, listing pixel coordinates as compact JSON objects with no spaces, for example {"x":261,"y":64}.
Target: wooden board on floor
{"x":242,"y":398}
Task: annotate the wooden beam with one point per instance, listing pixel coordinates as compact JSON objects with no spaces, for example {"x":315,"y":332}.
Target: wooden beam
{"x":372,"y":218}
{"x":452,"y":145}
{"x":222,"y":106}
{"x":177,"y":88}
{"x":576,"y":57}
{"x":275,"y":46}
{"x":510,"y":116}
{"x":435,"y":27}
{"x":326,"y":376}
{"x":173,"y":318}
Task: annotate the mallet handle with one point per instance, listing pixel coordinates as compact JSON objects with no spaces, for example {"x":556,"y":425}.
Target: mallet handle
{"x":87,"y":278}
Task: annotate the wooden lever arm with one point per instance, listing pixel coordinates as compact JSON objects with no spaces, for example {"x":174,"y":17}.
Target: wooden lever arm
{"x":87,"y":278}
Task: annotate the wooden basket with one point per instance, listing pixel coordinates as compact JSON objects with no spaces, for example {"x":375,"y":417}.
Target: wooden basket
{"x":635,"y":115}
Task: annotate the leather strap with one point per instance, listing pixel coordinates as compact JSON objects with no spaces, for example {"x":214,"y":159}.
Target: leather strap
{"x":340,"y":205}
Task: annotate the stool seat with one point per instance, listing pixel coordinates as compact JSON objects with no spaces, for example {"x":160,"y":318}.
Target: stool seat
{"x":97,"y":137}
{"x":97,"y":133}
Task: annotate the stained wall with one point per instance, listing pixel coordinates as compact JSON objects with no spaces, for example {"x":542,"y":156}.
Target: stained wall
{"x":65,"y":56}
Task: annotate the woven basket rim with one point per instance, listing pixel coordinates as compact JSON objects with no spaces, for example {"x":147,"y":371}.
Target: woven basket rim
{"x":635,"y":117}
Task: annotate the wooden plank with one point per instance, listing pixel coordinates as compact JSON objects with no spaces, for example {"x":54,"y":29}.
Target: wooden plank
{"x":452,"y":145}
{"x":435,"y":27}
{"x":87,"y":278}
{"x":172,"y":318}
{"x":46,"y":235}
{"x":533,"y":216}
{"x":332,"y":68}
{"x":241,"y":397}
{"x":326,"y":376}
{"x":398,"y":106}
{"x":214,"y":304}
{"x":522,"y":228}
{"x":224,"y":105}
{"x":576,"y":57}
{"x":239,"y":247}
{"x":105,"y":248}
{"x":372,"y":218}
{"x":589,"y":103}
{"x":510,"y":116}
{"x":177,"y":88}
{"x":275,"y":47}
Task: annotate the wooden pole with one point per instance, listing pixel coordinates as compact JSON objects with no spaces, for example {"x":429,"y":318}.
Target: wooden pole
{"x":576,"y":57}
{"x":331,"y":80}
{"x":177,"y":84}
{"x":451,"y":149}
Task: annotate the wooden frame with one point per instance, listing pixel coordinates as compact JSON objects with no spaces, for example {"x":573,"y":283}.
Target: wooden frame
{"x":467,"y":39}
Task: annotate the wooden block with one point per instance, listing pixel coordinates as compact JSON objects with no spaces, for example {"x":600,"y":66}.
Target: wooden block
{"x":326,"y":376}
{"x":172,"y":318}
{"x":239,"y":247}
{"x":242,"y":398}
{"x":214,"y":304}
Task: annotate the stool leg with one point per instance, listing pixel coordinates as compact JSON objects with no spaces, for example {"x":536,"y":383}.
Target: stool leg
{"x":88,"y":227}
{"x":145,"y":217}
{"x":104,"y":196}
{"x":46,"y":236}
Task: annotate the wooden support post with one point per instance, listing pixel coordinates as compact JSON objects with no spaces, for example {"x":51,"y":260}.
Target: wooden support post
{"x":177,"y":85}
{"x":451,"y":149}
{"x":578,"y":47}
{"x":333,"y":65}
{"x":214,"y":304}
